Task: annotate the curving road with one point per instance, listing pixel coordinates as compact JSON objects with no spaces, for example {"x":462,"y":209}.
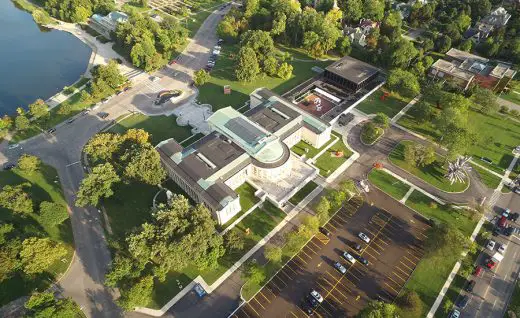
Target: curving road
{"x":84,"y":279}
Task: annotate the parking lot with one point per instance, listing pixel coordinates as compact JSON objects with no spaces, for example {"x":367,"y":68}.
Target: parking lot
{"x":394,"y":250}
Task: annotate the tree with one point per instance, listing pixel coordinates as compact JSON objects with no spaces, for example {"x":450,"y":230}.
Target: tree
{"x":374,"y":10}
{"x":234,"y":240}
{"x":312,"y":44}
{"x":418,"y":155}
{"x":409,"y":154}
{"x":247,"y":67}
{"x":463,"y":21}
{"x":85,"y":96}
{"x":352,"y":10}
{"x":98,"y":184}
{"x":102,"y":146}
{"x":486,"y":99}
{"x":109,"y":74}
{"x":403,"y":82}
{"x":260,"y":42}
{"x":228,"y":28}
{"x":273,"y":253}
{"x":253,"y":273}
{"x":402,"y":53}
{"x":52,"y":213}
{"x":21,"y":122}
{"x":443,"y":43}
{"x":81,"y":14}
{"x":412,"y":303}
{"x":143,"y":163}
{"x":45,"y":305}
{"x":138,"y":294}
{"x":382,"y":120}
{"x":391,"y":25}
{"x":446,"y":239}
{"x":250,"y":7}
{"x":348,"y":186}
{"x":336,"y":198}
{"x":201,"y":77}
{"x":344,"y":46}
{"x":279,"y":24}
{"x":16,"y":199}
{"x":9,"y":262}
{"x":323,"y":208}
{"x":285,"y":70}
{"x":271,"y":66}
{"x":28,"y":163}
{"x":448,"y":306}
{"x":137,"y":136}
{"x":38,"y":254}
{"x":123,"y":268}
{"x":378,"y":309}
{"x":38,"y":109}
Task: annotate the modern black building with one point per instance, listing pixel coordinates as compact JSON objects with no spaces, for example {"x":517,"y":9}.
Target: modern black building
{"x":351,"y":74}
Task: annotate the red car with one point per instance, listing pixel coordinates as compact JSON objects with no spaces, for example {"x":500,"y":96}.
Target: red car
{"x":502,"y":221}
{"x":490,"y":263}
{"x":173,"y":62}
{"x":478,"y":271}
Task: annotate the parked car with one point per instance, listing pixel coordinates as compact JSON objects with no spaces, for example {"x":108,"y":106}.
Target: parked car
{"x":362,"y":260}
{"x":324,"y":231}
{"x":454,"y":314}
{"x":364,"y":186}
{"x":478,"y":271}
{"x":155,"y":78}
{"x":103,"y":115}
{"x":173,"y":62}
{"x":470,"y":285}
{"x":355,"y":246}
{"x":506,"y":213}
{"x":316,"y":295}
{"x":340,"y":267}
{"x":13,"y":146}
{"x":312,"y":301}
{"x":496,"y":231}
{"x":71,"y":120}
{"x":85,"y":112}
{"x":349,"y":257}
{"x":462,"y":302}
{"x":514,"y":216}
{"x":508,"y":231}
{"x":364,"y":237}
{"x":502,"y":221}
{"x":220,"y":41}
{"x":502,"y":248}
{"x":490,"y":263}
{"x":491,"y":245}
{"x":9,"y":166}
{"x":51,"y":131}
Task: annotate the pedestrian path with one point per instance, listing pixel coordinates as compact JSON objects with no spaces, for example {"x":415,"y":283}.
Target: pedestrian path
{"x":406,"y":108}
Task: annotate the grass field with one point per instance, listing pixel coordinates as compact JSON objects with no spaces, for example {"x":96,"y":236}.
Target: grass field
{"x":514,"y":305}
{"x":260,"y":222}
{"x":327,"y":162}
{"x":44,"y":186}
{"x":497,"y":136}
{"x":223,"y":74}
{"x":159,"y":127}
{"x":303,"y":148}
{"x":247,"y":201}
{"x":432,"y":174}
{"x":300,"y":195}
{"x":388,"y":184}
{"x":488,"y":179}
{"x":390,"y":106}
{"x":369,"y":139}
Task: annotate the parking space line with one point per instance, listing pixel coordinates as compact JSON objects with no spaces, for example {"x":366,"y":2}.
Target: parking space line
{"x":317,"y":246}
{"x":302,"y":250}
{"x":261,"y":293}
{"x":326,"y":280}
{"x":412,"y":255}
{"x":345,"y":286}
{"x":410,"y":260}
{"x":336,"y":222}
{"x":328,"y":314}
{"x":329,"y":224}
{"x":293,"y":314}
{"x":391,"y":288}
{"x":401,"y":278}
{"x":254,"y":310}
{"x":339,"y":301}
{"x":310,"y":249}
{"x":371,"y":233}
{"x":373,"y":249}
{"x":281,"y":280}
{"x":330,"y":275}
{"x":398,"y":284}
{"x":341,"y":218}
{"x":406,"y":266}
{"x":275,"y":285}
{"x":259,"y":303}
{"x":289,"y":267}
{"x":283,"y":272}
{"x":399,"y":268}
{"x":370,"y":255}
{"x":390,"y":296}
{"x":302,"y":311}
{"x":374,"y":242}
{"x":342,"y":294}
{"x":243,"y":311}
{"x":301,"y":259}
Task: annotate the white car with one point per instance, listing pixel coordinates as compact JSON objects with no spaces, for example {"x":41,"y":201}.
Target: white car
{"x":316,"y":296}
{"x":364,"y":237}
{"x":491,"y":245}
{"x":502,"y":248}
{"x":349,"y":257}
{"x":506,"y":213}
{"x":364,"y":185}
{"x":340,"y":267}
{"x":13,"y":146}
{"x":216,"y":52}
{"x":155,"y":79}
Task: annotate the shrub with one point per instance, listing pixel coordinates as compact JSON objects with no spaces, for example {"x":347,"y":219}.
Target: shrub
{"x":52,"y":213}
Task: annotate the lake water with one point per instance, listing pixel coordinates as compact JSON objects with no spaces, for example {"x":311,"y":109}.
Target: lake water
{"x":34,"y":63}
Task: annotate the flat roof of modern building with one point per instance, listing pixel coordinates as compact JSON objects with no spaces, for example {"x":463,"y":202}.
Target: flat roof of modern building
{"x":272,"y":116}
{"x":451,"y":69}
{"x":462,"y":55}
{"x":352,"y":69}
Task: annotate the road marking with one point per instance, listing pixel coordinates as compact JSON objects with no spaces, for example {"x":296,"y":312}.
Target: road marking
{"x":254,"y":310}
{"x":412,"y":255}
{"x":293,"y":314}
{"x":393,"y":272}
{"x":375,"y":258}
{"x":259,"y":303}
{"x":394,"y":281}
{"x":289,"y":267}
{"x":302,"y":311}
{"x":302,"y":250}
{"x":379,"y":245}
{"x":399,"y":268}
{"x":329,"y":224}
{"x":74,"y":163}
{"x":290,"y":278}
{"x":281,"y":280}
{"x":327,"y":281}
{"x":317,"y":246}
{"x":406,"y":266}
{"x":311,"y":249}
{"x":272,"y":281}
{"x":391,"y":288}
{"x":301,"y":258}
{"x":264,"y":296}
{"x":410,"y":260}
{"x":330,"y":275}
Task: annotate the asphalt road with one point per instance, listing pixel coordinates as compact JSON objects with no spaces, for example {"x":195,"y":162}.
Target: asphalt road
{"x":493,"y":290}
{"x":394,"y":250}
{"x":84,"y":279}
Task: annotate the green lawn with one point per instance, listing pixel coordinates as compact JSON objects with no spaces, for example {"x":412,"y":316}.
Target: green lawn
{"x":388,"y":184}
{"x":514,"y":305}
{"x":44,"y":186}
{"x":391,"y":106}
{"x":497,"y":136}
{"x":433,"y":210}
{"x":432,"y":174}
{"x":247,"y":201}
{"x":223,"y":74}
{"x":300,"y":195}
{"x":260,"y":222}
{"x":369,"y":139}
{"x":327,"y":162}
{"x":303,"y":148}
{"x":159,"y":127}
{"x":488,"y":179}
{"x":431,"y":272}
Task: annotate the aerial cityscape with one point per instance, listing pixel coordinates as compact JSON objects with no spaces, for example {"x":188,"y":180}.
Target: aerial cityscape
{"x":259,"y":158}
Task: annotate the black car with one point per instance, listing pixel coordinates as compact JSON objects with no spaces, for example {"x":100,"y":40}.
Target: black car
{"x":462,"y":302}
{"x":103,"y":115}
{"x":514,"y":216}
{"x":496,"y":231}
{"x":355,"y":246}
{"x":324,"y":231}
{"x":508,"y":231}
{"x":469,"y":286}
{"x":70,"y":121}
{"x":362,"y":260}
{"x":312,"y":301}
{"x":9,"y":166}
{"x":51,"y":131}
